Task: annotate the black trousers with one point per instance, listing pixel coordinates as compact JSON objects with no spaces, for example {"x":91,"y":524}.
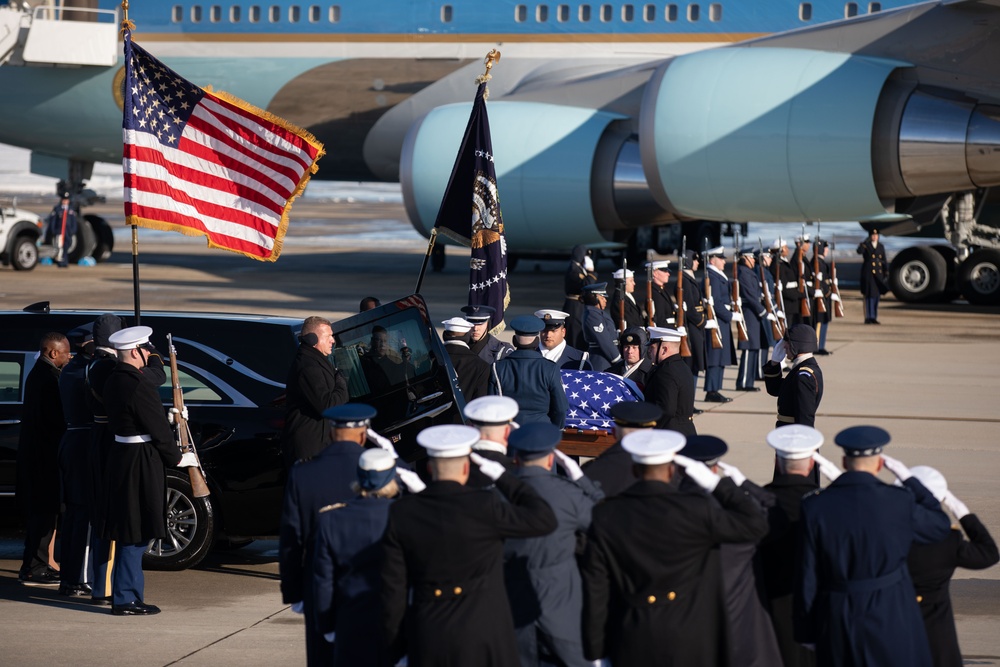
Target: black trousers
{"x":40,"y":528}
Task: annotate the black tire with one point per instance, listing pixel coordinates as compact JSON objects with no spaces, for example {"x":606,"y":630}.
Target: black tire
{"x":191,"y":524}
{"x":24,"y":253}
{"x":232,"y":543}
{"x":951,"y":291}
{"x":979,"y":277}
{"x":105,"y":238}
{"x":918,"y":275}
{"x":84,"y":243}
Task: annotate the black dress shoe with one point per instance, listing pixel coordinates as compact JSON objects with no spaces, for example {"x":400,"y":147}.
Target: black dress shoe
{"x":748,"y":389}
{"x":134,"y":609}
{"x":698,"y":411}
{"x":716,"y":397}
{"x":104,"y":601}
{"x":876,"y":322}
{"x":47,"y":577}
{"x":823,"y":352}
{"x":75,"y":590}
{"x":868,"y":320}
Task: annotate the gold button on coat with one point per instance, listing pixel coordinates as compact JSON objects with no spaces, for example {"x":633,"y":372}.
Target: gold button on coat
{"x":437,"y":592}
{"x":671,"y":596}
{"x":458,"y":590}
{"x":651,"y":599}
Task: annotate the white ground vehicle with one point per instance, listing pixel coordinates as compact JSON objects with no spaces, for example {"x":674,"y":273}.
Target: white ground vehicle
{"x":19,"y":234}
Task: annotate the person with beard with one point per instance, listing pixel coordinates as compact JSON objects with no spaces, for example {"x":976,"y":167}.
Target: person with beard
{"x":473,"y":373}
{"x":579,"y":274}
{"x":553,"y":342}
{"x":800,"y":392}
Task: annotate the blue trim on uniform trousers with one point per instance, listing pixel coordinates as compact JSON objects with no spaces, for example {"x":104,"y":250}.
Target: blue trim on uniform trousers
{"x":128,"y":583}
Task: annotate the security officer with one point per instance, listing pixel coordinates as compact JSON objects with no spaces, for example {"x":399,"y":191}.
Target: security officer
{"x":136,"y":476}
{"x":529,"y":378}
{"x":716,"y":359}
{"x":694,"y":315}
{"x":623,"y":301}
{"x":634,"y":364}
{"x":874,"y":274}
{"x":932,"y":566}
{"x":670,"y":385}
{"x":663,"y":302}
{"x":669,"y":605}
{"x":613,"y":469}
{"x":796,"y":454}
{"x":489,"y":348}
{"x":822,"y":288}
{"x":599,"y":328}
{"x":579,"y":274}
{"x":323,"y":480}
{"x":541,"y":573}
{"x":347,"y":565}
{"x":754,"y":313}
{"x":473,"y":373}
{"x":494,"y":417}
{"x":554,"y":345}
{"x":800,"y":392}
{"x":443,"y":564}
{"x":854,"y":597}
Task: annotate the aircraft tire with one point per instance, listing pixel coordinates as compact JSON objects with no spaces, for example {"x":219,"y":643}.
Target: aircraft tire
{"x":85,"y":242}
{"x":104,"y":238}
{"x":918,"y":275}
{"x":979,"y":277}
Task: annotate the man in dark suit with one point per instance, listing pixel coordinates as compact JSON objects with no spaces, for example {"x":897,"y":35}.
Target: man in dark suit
{"x":670,"y":384}
{"x":554,"y":346}
{"x":529,"y":378}
{"x":473,"y":373}
{"x":854,"y":598}
{"x":651,"y":577}
{"x":313,"y":386}
{"x":613,"y":469}
{"x":443,"y":566}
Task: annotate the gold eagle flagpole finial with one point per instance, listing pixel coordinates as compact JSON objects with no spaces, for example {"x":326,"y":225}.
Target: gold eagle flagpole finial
{"x":492,"y":58}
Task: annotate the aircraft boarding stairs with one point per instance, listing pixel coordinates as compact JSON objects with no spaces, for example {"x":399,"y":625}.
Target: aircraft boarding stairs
{"x":61,"y":36}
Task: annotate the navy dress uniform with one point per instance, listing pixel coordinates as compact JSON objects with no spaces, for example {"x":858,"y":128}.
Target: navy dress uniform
{"x":634,"y":314}
{"x":136,"y":476}
{"x":347,"y":565}
{"x":473,"y":373}
{"x":854,"y":597}
{"x":323,"y":480}
{"x":489,"y":348}
{"x":442,"y":573}
{"x":823,"y":285}
{"x":541,"y":573}
{"x":664,"y":308}
{"x":801,"y":391}
{"x":717,"y":359}
{"x":531,"y":379}
{"x":694,"y":315}
{"x":599,"y":328}
{"x":652,"y":581}
{"x":488,"y":414}
{"x":874,"y":274}
{"x":613,"y":469}
{"x":562,"y":354}
{"x":751,"y":300}
{"x":932,"y":566}
{"x":670,"y":386}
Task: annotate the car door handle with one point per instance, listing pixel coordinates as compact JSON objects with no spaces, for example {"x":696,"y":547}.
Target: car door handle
{"x":430,"y":397}
{"x":9,"y":422}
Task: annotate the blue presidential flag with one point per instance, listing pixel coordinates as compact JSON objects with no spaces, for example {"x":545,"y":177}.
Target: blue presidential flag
{"x":591,"y":394}
{"x":470,"y":213}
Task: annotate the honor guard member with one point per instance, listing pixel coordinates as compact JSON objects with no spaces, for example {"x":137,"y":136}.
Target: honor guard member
{"x":494,"y":417}
{"x":635,"y":316}
{"x":752,"y":638}
{"x":670,"y":385}
{"x":42,"y":428}
{"x":800,"y":392}
{"x":651,"y":584}
{"x":874,"y":274}
{"x":613,"y":470}
{"x":822,"y":288}
{"x":717,"y":359}
{"x":579,"y":274}
{"x":314,"y":384}
{"x":554,"y":346}
{"x":136,"y":478}
{"x":854,"y":598}
{"x":932,"y":566}
{"x":442,"y":574}
{"x":634,"y":364}
{"x":599,"y":328}
{"x":541,"y":573}
{"x":529,"y":378}
{"x":322,"y":480}
{"x":796,"y":454}
{"x":663,"y":302}
{"x":794,"y":295}
{"x":694,"y":315}
{"x":473,"y":373}
{"x":489,"y":348}
{"x":75,"y":573}
{"x":786,"y":279}
{"x":767,"y":336}
{"x":754,"y":313}
{"x":347,"y":565}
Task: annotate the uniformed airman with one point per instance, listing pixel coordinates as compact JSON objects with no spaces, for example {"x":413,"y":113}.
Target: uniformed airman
{"x":486,"y":345}
{"x":554,"y":345}
{"x":599,"y":328}
{"x":529,"y":378}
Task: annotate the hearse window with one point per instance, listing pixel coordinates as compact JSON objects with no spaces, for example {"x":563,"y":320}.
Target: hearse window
{"x":10,"y":382}
{"x":195,"y":390}
{"x":386,"y":355}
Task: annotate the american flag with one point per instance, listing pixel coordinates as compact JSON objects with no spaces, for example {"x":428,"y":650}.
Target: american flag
{"x":591,"y":395}
{"x":204,"y":163}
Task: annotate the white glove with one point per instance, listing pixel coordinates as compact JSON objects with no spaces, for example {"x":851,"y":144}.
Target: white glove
{"x":818,"y":294}
{"x":330,"y":637}
{"x":711,"y":324}
{"x":836,"y":282}
{"x":733,"y":473}
{"x":572,"y":468}
{"x":819,"y":276}
{"x":737,"y":317}
{"x":188,"y":460}
{"x":382,"y":442}
{"x":780,"y":314}
{"x":778,"y":353}
{"x":771,"y":317}
{"x":829,"y":470}
{"x":957,"y":507}
{"x":897,"y":468}
{"x":711,"y":301}
{"x":682,"y":331}
{"x":698,"y":472}
{"x":297,"y":607}
{"x":173,"y":412}
{"x":791,"y":284}
{"x":739,"y":301}
{"x":684,"y":305}
{"x":835,"y":297}
{"x":492,"y":469}
{"x":588,"y":263}
{"x":410,"y":480}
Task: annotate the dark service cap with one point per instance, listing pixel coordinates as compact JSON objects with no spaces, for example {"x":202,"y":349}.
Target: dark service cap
{"x":637,"y":414}
{"x":527,"y":325}
{"x":705,"y":448}
{"x":534,"y":440}
{"x":478,"y":313}
{"x":600,"y":289}
{"x":863,"y":440}
{"x":350,"y":415}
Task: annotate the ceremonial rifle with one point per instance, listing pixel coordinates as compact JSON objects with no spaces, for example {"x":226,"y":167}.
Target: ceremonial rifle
{"x":804,"y":309}
{"x":709,"y":309}
{"x":199,"y":487}
{"x":838,"y":306}
{"x":817,"y":276}
{"x":741,"y":325}
{"x":779,"y":289}
{"x":679,"y":319}
{"x":649,"y":291}
{"x":621,"y":295}
{"x":768,"y":304}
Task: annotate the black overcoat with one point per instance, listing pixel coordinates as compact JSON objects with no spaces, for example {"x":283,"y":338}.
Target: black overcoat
{"x":670,"y":386}
{"x":313,"y":385}
{"x":612,"y":470}
{"x":721,"y":293}
{"x":799,"y":393}
{"x":694,"y":324}
{"x":42,"y":427}
{"x":473,"y":373}
{"x":751,"y":300}
{"x":874,"y":269}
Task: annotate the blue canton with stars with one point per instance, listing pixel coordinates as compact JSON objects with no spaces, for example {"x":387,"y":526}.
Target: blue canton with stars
{"x":158,"y":101}
{"x":591,"y":395}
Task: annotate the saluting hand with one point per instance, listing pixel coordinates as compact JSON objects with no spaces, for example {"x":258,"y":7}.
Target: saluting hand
{"x":410,"y":480}
{"x":829,"y":470}
{"x":492,"y":469}
{"x":572,"y":468}
{"x":778,"y":353}
{"x":957,"y":507}
{"x":896,"y":467}
{"x":733,"y":473}
{"x":698,"y":472}
{"x":382,"y":442}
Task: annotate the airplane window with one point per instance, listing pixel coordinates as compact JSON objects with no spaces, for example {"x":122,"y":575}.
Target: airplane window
{"x":235,"y":14}
{"x":177,"y":14}
{"x":671,"y":13}
{"x":314,"y":13}
{"x":274,"y":13}
{"x":649,"y":13}
{"x":196,"y":14}
{"x":715,"y":12}
{"x":335,"y":14}
{"x":541,"y":13}
{"x":584,"y":13}
{"x":628,"y":13}
{"x":805,"y":11}
{"x":294,"y":14}
{"x":446,"y":13}
{"x":850,"y":9}
{"x":694,"y":13}
{"x":562,"y":13}
{"x":215,"y":13}
{"x":254,"y":14}
{"x":606,"y":13}
{"x":521,"y":13}
{"x":874,"y":7}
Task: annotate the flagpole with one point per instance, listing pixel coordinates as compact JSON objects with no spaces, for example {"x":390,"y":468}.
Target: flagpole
{"x":423,"y":267}
{"x":127,"y":26}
